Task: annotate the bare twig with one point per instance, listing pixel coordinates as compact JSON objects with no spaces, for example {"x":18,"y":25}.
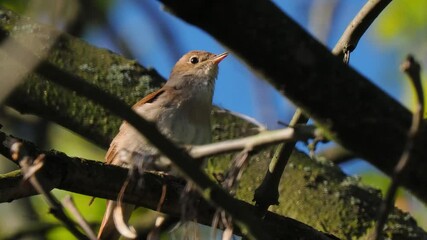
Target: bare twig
{"x":30,"y":168}
{"x":325,"y":92}
{"x":251,"y":225}
{"x":412,"y":69}
{"x":268,"y":192}
{"x":230,"y":183}
{"x":265,"y":138}
{"x":76,"y":175}
{"x":68,"y":202}
{"x":358,"y":26}
{"x":240,"y":162}
{"x":266,"y":195}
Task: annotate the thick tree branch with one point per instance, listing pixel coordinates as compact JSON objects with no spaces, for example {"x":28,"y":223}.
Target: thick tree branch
{"x":76,"y":175}
{"x":315,"y":193}
{"x":336,"y":154}
{"x":267,"y":194}
{"x":355,"y":112}
{"x":108,"y":71}
{"x":249,"y":224}
{"x":413,"y":69}
{"x":30,"y":166}
{"x":92,"y":178}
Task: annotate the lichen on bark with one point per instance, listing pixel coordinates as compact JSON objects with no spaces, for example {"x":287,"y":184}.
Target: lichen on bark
{"x":316,"y":193}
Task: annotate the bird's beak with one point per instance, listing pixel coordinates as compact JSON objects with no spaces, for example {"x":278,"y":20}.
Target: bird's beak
{"x":218,"y":58}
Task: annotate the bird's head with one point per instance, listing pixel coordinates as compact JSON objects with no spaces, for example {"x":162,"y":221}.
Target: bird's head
{"x":196,"y":68}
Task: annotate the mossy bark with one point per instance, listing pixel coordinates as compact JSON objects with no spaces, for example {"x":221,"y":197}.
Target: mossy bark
{"x":349,"y":107}
{"x":316,"y":193}
{"x":112,"y":73}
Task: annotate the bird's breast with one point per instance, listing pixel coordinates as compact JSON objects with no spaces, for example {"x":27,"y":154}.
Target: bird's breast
{"x":185,"y":122}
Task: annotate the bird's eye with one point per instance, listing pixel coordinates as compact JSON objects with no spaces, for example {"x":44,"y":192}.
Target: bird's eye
{"x":194,"y":60}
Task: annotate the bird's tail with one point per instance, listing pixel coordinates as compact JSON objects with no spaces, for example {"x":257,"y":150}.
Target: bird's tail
{"x":108,"y":228}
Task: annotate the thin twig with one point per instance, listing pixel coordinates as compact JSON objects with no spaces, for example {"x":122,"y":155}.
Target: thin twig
{"x":266,"y":195}
{"x":20,"y":155}
{"x":358,"y":26}
{"x":250,"y":224}
{"x":412,"y":69}
{"x":68,"y":202}
{"x":264,"y":138}
{"x":231,"y":183}
{"x":76,"y":175}
{"x":268,"y":192}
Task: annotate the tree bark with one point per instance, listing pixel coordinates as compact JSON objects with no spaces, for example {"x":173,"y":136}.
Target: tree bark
{"x":316,"y":193}
{"x":352,"y":110}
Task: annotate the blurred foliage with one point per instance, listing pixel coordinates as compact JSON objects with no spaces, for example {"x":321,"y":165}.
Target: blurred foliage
{"x":403,"y":21}
{"x":102,"y":5}
{"x":404,"y":199}
{"x":70,"y":143}
{"x":59,"y":138}
{"x":92,"y":213}
{"x":18,"y":6}
{"x":403,"y":27}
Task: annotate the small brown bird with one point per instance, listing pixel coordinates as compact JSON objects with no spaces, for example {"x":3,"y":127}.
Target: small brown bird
{"x":181,"y":110}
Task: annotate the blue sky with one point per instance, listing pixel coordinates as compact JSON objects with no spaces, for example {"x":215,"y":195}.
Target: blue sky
{"x":237,"y":88}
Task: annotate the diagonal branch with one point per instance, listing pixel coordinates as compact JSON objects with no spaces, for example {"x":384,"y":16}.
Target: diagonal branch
{"x":358,"y":26}
{"x":30,"y":167}
{"x":249,"y":224}
{"x":77,"y":175}
{"x":412,"y":68}
{"x":266,"y":194}
{"x":353,"y":111}
{"x":304,"y":178}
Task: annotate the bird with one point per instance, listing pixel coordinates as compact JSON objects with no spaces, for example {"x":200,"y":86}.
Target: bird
{"x":181,"y":110}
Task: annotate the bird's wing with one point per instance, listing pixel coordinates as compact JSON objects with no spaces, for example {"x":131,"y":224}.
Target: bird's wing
{"x":113,"y":150}
{"x":150,"y":97}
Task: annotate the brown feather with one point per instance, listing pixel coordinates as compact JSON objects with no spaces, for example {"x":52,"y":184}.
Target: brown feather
{"x":112,"y":151}
{"x":180,"y":108}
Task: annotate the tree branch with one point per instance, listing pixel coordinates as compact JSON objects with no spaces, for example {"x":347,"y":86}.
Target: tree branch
{"x":412,"y":68}
{"x":353,"y":111}
{"x":249,"y":224}
{"x":315,"y":193}
{"x":358,"y":26}
{"x":30,"y":167}
{"x":250,"y":143}
{"x":336,"y":154}
{"x":92,"y":178}
{"x":79,"y":178}
{"x":108,"y":71}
